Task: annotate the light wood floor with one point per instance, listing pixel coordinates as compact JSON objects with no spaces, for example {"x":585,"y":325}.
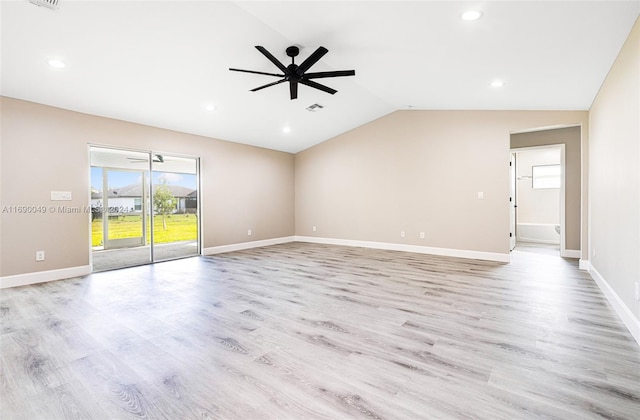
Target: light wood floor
{"x":536,"y":248}
{"x":303,"y":331}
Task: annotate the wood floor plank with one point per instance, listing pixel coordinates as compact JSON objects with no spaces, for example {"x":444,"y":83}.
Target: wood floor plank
{"x":311,"y":331}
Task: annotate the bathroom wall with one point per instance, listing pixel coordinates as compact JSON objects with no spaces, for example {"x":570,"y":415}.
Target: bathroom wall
{"x":539,"y":206}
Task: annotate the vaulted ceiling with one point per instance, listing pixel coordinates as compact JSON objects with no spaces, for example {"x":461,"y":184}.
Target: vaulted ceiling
{"x":163,"y":63}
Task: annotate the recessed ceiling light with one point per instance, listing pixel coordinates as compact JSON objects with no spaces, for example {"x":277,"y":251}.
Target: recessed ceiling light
{"x":209,"y":107}
{"x":471,"y":15}
{"x":56,"y":63}
{"x":496,"y":83}
{"x":286,"y":130}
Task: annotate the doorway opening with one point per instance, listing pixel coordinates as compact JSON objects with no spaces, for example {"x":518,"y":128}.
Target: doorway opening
{"x":537,"y":179}
{"x":144,"y":207}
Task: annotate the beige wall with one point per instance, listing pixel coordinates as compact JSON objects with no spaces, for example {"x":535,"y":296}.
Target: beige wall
{"x":571,"y":138}
{"x":45,"y":149}
{"x":418,"y":171}
{"x":614,"y":175}
{"x":537,"y":205}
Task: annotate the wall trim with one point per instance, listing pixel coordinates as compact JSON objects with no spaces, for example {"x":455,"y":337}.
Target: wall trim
{"x":247,"y":245}
{"x":447,"y":252}
{"x":630,"y":321}
{"x":547,"y":128}
{"x":51,"y":275}
{"x":584,"y":265}
{"x":571,"y":253}
{"x":44,"y":276}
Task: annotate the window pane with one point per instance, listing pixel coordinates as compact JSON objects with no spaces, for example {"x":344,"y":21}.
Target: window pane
{"x":546,"y":176}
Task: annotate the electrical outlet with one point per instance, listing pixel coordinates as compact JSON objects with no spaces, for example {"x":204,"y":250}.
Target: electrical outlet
{"x":315,"y":229}
{"x":593,"y":252}
{"x":480,"y":195}
{"x":39,"y":255}
{"x":249,"y":232}
{"x":636,"y":291}
{"x":402,"y":235}
{"x":421,"y":235}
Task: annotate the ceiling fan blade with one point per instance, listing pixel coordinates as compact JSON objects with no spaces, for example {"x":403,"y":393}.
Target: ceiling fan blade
{"x":268,"y":85}
{"x":257,"y":72}
{"x":318,"y":86}
{"x":337,"y":73}
{"x":271,"y":58}
{"x":293,"y":89}
{"x":311,"y":60}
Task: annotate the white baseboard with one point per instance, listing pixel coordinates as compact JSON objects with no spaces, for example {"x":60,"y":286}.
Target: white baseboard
{"x":584,"y":265}
{"x":247,"y":245}
{"x":476,"y":255}
{"x":43,"y":276}
{"x":459,"y":253}
{"x":630,"y":321}
{"x":571,"y":253}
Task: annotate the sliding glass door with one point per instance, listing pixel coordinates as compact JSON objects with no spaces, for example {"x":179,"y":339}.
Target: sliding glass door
{"x":175,"y":206}
{"x":125,"y":214}
{"x":144,"y":207}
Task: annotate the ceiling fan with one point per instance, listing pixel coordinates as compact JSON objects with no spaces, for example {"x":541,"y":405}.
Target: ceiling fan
{"x":295,"y":74}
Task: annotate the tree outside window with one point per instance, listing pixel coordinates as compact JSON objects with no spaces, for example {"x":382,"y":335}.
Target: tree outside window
{"x":163,"y":201}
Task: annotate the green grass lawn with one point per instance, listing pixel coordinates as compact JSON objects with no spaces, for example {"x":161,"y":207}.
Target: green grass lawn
{"x":180,"y":227}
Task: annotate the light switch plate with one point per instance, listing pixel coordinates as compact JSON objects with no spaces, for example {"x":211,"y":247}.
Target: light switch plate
{"x":61,"y":196}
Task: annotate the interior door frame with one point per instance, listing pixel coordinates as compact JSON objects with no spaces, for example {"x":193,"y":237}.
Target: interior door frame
{"x":562,"y":147}
{"x":513,"y":200}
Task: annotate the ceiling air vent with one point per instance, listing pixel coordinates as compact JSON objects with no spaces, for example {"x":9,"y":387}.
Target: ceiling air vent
{"x":49,"y":4}
{"x":314,"y":107}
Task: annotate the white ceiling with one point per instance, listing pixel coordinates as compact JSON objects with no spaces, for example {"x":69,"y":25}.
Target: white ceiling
{"x":160,"y":62}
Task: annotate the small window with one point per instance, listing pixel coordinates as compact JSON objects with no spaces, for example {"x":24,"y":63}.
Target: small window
{"x":137,"y":204}
{"x":546,"y":176}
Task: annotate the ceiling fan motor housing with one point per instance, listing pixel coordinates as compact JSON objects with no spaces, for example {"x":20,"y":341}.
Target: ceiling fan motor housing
{"x":293,"y":51}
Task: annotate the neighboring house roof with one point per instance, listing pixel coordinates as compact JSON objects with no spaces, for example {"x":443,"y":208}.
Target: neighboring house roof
{"x":177,"y":191}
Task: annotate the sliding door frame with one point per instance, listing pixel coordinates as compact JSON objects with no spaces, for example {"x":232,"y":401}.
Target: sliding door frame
{"x":147,"y":192}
